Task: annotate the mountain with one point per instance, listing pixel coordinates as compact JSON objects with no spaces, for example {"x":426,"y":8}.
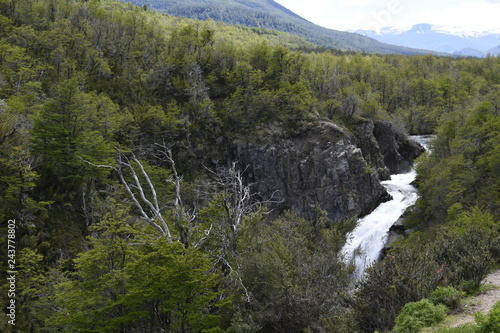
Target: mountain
{"x":494,"y":51}
{"x":439,"y":38}
{"x":470,"y":52}
{"x":268,"y":14}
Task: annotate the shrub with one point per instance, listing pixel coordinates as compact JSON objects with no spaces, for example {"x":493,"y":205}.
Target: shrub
{"x":466,"y":328}
{"x":294,"y":284}
{"x":448,"y":296}
{"x":466,"y":255}
{"x":470,"y":287}
{"x":409,"y":276}
{"x":491,"y":322}
{"x":417,"y":315}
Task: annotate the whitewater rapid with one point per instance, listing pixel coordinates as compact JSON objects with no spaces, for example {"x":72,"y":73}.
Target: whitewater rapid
{"x":367,"y":240}
{"x":365,"y":243}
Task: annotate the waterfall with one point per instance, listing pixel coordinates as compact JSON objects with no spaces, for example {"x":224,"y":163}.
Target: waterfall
{"x":367,"y":240}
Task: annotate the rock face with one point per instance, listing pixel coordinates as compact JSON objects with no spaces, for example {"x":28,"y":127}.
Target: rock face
{"x":365,"y":139}
{"x":398,"y":151}
{"x":326,"y":167}
{"x":396,"y":232}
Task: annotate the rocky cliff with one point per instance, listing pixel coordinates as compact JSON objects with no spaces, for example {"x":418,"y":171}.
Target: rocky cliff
{"x":396,"y":148}
{"x":326,"y":166}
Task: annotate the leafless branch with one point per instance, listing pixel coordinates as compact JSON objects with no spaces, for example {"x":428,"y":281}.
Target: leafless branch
{"x":97,"y":165}
{"x":238,"y":277}
{"x":182,"y":217}
{"x":123,"y":162}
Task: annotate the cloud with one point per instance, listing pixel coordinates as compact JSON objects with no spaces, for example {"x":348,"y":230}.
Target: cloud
{"x":467,"y":13}
{"x":354,"y":3}
{"x":376,"y":14}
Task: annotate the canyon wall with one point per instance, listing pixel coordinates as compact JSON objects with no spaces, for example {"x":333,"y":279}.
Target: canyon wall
{"x":326,"y":166}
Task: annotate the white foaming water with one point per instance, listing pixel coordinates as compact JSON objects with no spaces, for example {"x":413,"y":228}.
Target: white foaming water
{"x":368,"y":239}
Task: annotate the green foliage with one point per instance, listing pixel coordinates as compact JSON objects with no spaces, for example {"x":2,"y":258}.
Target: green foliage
{"x":457,"y":257}
{"x":79,"y":79}
{"x":467,"y":257}
{"x":463,"y":168}
{"x":448,"y":296}
{"x":470,"y":287}
{"x":91,"y":300}
{"x":291,"y":278}
{"x":127,"y":280}
{"x":72,"y":126}
{"x":178,"y":282}
{"x":33,"y":286}
{"x":417,"y":315}
{"x":17,"y":175}
{"x":409,"y":276}
{"x":489,"y":323}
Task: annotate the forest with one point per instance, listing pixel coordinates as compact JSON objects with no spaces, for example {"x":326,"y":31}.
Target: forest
{"x":266,"y":14}
{"x":115,"y":123}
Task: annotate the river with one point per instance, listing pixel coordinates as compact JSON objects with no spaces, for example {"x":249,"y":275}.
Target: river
{"x":367,"y":240}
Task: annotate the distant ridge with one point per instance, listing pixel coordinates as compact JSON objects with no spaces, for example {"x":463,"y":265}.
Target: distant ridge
{"x":269,"y":14}
{"x":453,"y":40}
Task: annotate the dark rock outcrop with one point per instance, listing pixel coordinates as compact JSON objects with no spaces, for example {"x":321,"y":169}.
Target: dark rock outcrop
{"x":396,"y":232}
{"x":325,"y":166}
{"x":365,"y":139}
{"x":398,"y":151}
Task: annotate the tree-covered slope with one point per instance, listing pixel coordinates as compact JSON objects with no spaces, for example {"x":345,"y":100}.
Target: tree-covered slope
{"x":269,"y":14}
{"x":169,"y":174}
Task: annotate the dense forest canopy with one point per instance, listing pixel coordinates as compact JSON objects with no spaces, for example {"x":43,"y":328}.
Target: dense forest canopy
{"x":268,"y":14}
{"x":113,"y":125}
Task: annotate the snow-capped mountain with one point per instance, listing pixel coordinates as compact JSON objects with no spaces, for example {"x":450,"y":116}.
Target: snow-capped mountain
{"x":456,"y":40}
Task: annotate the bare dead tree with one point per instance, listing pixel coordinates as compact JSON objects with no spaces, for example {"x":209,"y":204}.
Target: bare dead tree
{"x":149,"y":208}
{"x":143,"y":193}
{"x":183,"y":217}
{"x":238,"y":202}
{"x":234,"y":196}
{"x":237,"y":199}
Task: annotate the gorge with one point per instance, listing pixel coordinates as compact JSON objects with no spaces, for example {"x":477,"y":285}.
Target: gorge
{"x":328,"y":167}
{"x":370,"y":238}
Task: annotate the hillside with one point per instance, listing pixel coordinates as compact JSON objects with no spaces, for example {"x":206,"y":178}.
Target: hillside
{"x":269,"y":14}
{"x":165,"y":174}
{"x":439,"y":39}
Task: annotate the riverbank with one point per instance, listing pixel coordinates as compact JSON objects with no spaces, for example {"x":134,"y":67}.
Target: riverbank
{"x":481,"y":303}
{"x":366,"y":243}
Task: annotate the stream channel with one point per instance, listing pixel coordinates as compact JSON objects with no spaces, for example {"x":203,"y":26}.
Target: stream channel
{"x":365,"y":243}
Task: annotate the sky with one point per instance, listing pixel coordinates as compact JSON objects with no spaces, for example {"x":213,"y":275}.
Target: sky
{"x":376,"y":14}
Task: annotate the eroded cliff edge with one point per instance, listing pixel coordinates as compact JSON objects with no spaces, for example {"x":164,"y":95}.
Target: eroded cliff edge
{"x":326,"y":166}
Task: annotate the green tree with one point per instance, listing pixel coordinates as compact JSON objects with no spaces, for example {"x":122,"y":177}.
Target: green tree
{"x":173,"y":289}
{"x":463,"y":166}
{"x":35,"y":285}
{"x":293,"y":280}
{"x":91,"y":299}
{"x":294,"y":103}
{"x":73,"y":125}
{"x":129,"y":281}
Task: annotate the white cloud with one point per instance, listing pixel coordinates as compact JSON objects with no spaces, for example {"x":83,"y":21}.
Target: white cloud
{"x":354,"y":3}
{"x":362,"y":14}
{"x":468,"y":13}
